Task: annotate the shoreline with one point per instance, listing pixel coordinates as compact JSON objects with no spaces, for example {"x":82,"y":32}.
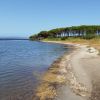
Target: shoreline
{"x":52,"y":79}
{"x":63,"y":76}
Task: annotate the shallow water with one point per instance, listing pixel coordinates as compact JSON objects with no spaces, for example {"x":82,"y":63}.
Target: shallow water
{"x":22,"y":62}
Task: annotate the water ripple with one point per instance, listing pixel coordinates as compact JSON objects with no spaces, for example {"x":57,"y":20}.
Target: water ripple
{"x":20,"y":61}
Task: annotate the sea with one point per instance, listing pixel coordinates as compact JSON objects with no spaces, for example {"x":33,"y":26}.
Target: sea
{"x":22,"y":64}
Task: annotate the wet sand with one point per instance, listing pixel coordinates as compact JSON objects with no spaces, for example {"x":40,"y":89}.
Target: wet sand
{"x":72,"y":77}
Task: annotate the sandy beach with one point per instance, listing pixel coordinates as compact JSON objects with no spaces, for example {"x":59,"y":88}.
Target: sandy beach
{"x":74,"y":76}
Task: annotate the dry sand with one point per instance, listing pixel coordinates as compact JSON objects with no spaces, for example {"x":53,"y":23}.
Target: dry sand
{"x":85,"y":77}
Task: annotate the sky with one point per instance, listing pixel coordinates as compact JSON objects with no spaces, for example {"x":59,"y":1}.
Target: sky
{"x":22,"y":18}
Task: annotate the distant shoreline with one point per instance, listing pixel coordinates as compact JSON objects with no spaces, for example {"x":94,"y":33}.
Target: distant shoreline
{"x":13,"y":39}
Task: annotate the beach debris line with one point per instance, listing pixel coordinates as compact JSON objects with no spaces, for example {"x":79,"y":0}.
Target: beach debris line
{"x":50,"y":82}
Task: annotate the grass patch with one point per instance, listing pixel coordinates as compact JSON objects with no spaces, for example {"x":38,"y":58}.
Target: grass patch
{"x":93,"y":42}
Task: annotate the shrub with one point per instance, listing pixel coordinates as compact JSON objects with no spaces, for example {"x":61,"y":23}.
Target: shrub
{"x":63,"y":38}
{"x":89,"y":36}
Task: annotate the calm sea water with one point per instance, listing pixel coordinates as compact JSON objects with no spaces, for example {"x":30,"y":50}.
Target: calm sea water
{"x":21,"y":64}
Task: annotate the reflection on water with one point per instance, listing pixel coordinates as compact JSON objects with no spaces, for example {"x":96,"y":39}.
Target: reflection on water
{"x":21,"y":62}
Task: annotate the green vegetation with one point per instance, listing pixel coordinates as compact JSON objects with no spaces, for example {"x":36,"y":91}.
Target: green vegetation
{"x":84,"y":31}
{"x":76,"y":34}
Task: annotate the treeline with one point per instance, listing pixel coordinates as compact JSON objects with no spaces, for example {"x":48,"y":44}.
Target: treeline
{"x":84,"y":31}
